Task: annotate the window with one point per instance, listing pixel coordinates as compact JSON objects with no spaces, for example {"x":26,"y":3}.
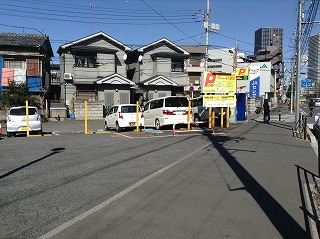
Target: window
{"x":14,"y":64}
{"x":176,"y":102}
{"x":146,"y":107}
{"x":153,"y":104}
{"x":128,"y":109}
{"x":86,"y":59}
{"x":177,"y":65}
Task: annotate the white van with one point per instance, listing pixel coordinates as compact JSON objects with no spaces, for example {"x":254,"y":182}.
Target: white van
{"x":166,"y":111}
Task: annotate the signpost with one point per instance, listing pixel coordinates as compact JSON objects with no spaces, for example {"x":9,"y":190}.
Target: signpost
{"x":191,"y":89}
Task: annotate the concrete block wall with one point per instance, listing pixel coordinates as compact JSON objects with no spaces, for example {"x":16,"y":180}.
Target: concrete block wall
{"x":251,"y":105}
{"x":3,"y":115}
{"x":95,"y":110}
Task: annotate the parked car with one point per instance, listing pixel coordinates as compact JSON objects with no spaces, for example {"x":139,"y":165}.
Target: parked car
{"x":201,"y":113}
{"x":17,"y":120}
{"x":316,"y":101}
{"x":166,"y":111}
{"x":123,"y":116}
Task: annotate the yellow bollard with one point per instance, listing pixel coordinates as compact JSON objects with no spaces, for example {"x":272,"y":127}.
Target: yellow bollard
{"x":228,"y":118}
{"x":27,"y":118}
{"x":137,"y":117}
{"x":189,"y":108}
{"x":221,"y":118}
{"x":213,"y":117}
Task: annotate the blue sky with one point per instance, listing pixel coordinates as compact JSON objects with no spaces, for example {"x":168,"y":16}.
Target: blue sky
{"x":140,"y":22}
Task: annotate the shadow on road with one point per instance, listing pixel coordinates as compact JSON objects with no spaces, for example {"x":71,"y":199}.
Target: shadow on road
{"x":54,"y":151}
{"x":279,"y":217}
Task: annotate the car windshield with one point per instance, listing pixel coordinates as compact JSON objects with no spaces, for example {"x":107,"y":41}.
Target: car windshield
{"x":22,"y":111}
{"x":128,"y":109}
{"x":177,"y":102}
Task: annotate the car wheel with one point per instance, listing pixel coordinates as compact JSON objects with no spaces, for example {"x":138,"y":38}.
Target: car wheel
{"x":118,"y":127}
{"x":196,"y":119}
{"x":9,"y":134}
{"x":106,"y":126}
{"x":157,"y":124}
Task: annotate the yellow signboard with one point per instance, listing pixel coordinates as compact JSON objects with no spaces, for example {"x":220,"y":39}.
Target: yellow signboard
{"x":219,"y":100}
{"x":221,"y":83}
{"x":242,"y":73}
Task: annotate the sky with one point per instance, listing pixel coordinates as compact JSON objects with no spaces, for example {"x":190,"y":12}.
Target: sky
{"x":136,"y":23}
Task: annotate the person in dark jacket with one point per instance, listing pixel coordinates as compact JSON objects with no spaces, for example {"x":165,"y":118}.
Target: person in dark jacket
{"x":266,"y":112}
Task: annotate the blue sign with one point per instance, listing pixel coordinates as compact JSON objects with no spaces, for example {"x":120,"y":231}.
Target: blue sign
{"x":309,"y":83}
{"x":255,"y":87}
{"x":306,"y":83}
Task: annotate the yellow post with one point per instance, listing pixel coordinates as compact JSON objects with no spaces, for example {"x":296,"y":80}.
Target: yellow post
{"x":189,"y":107}
{"x":27,"y":117}
{"x":137,"y":117}
{"x":228,"y":118}
{"x":85,"y":117}
{"x":210,"y":113}
{"x":213,"y":119}
{"x":221,"y":118}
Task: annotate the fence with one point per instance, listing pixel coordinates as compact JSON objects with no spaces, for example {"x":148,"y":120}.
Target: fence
{"x":95,"y":110}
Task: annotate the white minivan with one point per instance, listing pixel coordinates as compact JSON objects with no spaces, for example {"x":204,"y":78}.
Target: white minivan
{"x":166,"y":111}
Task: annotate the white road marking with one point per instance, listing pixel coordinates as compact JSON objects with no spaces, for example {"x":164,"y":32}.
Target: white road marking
{"x":115,"y":197}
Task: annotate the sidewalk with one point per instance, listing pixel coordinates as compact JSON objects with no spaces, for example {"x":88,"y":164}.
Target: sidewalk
{"x":245,"y":184}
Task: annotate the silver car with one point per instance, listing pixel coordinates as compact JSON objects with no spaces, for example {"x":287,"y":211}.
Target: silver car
{"x":17,"y":120}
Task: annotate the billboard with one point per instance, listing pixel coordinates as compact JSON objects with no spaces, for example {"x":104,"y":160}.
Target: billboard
{"x":242,"y":73}
{"x":254,"y":77}
{"x":221,"y":83}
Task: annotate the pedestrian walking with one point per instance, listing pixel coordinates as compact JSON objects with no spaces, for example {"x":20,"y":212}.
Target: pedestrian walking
{"x":266,"y":112}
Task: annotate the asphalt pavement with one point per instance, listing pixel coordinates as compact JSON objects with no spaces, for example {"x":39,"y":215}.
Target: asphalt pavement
{"x":251,"y":182}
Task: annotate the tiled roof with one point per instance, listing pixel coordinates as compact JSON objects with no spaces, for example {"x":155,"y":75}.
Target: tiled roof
{"x":17,"y":39}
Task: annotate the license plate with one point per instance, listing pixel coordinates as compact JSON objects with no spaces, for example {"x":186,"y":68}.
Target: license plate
{"x":132,"y":123}
{"x":23,"y":128}
{"x":179,"y":112}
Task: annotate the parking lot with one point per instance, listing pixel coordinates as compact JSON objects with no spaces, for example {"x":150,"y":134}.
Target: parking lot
{"x":59,"y":128}
{"x":46,"y":181}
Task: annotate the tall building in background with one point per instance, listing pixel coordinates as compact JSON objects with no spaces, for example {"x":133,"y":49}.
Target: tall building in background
{"x":263,"y":38}
{"x":314,"y":57}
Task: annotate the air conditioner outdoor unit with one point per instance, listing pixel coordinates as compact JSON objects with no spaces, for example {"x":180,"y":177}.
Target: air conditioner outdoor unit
{"x":67,"y":76}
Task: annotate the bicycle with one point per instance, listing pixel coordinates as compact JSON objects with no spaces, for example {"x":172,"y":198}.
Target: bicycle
{"x":311,"y":108}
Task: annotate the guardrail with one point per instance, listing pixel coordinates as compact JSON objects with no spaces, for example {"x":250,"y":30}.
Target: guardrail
{"x":316,"y":129}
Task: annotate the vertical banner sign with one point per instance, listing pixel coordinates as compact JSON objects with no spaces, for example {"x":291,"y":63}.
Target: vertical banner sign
{"x":254,"y":77}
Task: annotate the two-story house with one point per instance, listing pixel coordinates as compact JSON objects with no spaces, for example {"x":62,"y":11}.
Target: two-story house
{"x":158,"y":69}
{"x":94,"y":68}
{"x":25,"y":58}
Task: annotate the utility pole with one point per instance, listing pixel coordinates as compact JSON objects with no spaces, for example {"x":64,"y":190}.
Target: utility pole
{"x":235,"y":58}
{"x":298,"y":59}
{"x":206,"y":26}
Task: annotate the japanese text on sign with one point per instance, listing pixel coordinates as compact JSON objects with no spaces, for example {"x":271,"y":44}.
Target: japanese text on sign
{"x":219,"y":100}
{"x":219,"y":83}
